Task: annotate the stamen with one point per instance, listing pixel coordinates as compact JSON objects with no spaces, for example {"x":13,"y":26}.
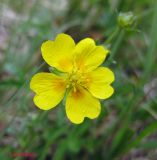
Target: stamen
{"x":74,"y":89}
{"x":76,"y":78}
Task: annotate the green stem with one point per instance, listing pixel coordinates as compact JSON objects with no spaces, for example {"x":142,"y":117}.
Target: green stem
{"x":117,"y":43}
{"x":150,"y":57}
{"x":112,"y":36}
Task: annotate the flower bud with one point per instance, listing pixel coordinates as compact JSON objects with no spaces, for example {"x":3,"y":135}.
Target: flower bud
{"x":126,"y":19}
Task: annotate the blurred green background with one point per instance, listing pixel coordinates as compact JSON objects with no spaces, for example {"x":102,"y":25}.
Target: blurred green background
{"x":127,"y":126}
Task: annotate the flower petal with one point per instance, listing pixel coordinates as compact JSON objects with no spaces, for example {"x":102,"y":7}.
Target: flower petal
{"x":81,"y":104}
{"x":49,"y":90}
{"x":99,"y":82}
{"x":88,"y":55}
{"x":59,"y":53}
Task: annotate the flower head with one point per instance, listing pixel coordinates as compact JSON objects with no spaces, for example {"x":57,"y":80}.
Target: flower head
{"x":81,"y":78}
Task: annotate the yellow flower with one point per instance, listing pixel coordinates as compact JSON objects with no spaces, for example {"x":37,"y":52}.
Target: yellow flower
{"x":81,"y":78}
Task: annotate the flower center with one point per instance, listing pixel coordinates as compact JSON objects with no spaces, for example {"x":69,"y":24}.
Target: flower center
{"x":76,"y":79}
